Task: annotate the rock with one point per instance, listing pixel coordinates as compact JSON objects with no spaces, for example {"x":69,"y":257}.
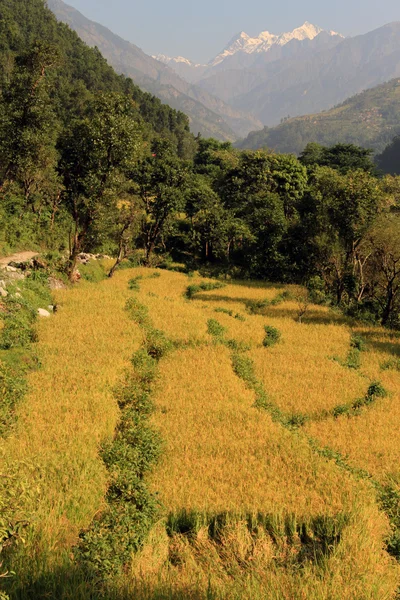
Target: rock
{"x":50,"y":308}
{"x":2,"y":283}
{"x":10,"y":269}
{"x":18,"y":295}
{"x":3,"y":292}
{"x":16,"y":276}
{"x":43,"y":313}
{"x":56,"y":284}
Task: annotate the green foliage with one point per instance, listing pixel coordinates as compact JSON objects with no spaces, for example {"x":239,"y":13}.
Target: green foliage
{"x":108,"y":545}
{"x":357,"y":342}
{"x":376,"y":390}
{"x":157,"y":344}
{"x":93,"y":271}
{"x":342,"y":157}
{"x":215,"y":328}
{"x":134,"y":283}
{"x":393,"y":363}
{"x":204,"y":286}
{"x":272,"y":336}
{"x":244,"y":368}
{"x":389,"y":497}
{"x":138,"y":312}
{"x":12,"y":390}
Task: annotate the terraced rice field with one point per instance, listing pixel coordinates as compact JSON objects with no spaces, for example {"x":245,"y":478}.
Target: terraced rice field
{"x":275,"y":460}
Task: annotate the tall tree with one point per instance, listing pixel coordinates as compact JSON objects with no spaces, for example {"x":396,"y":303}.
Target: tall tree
{"x":161,"y":180}
{"x":97,"y":154}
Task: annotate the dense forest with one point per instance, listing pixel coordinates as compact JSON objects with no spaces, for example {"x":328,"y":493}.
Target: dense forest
{"x":88,"y":162}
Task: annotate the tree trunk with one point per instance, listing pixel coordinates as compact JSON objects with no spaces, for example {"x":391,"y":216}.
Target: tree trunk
{"x":121,"y":256}
{"x":389,"y":304}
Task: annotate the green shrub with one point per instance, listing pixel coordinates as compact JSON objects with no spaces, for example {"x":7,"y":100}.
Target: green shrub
{"x":138,"y":312}
{"x":205,"y":286}
{"x":240,"y":317}
{"x":244,"y":368}
{"x":133,"y":283}
{"x":224,"y":311}
{"x":376,"y":390}
{"x":353,"y":359}
{"x":215,"y":328}
{"x":145,"y":367}
{"x":157,"y":344}
{"x":272,"y":336}
{"x":93,"y":271}
{"x":357,"y":342}
{"x":393,"y":363}
{"x":12,"y":390}
{"x":256,"y":307}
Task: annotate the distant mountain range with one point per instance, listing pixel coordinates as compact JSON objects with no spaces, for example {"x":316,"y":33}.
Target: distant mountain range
{"x":208,"y":114}
{"x":255,"y":81}
{"x":303,"y":71}
{"x":370,"y":119}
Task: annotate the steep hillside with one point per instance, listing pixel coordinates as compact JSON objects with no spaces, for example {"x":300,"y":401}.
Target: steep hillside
{"x":370,"y":119}
{"x":79,"y":70}
{"x":208,"y":114}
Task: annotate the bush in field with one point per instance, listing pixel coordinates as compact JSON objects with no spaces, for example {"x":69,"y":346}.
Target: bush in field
{"x":205,"y":286}
{"x":215,"y":328}
{"x":133,"y":283}
{"x":157,"y":344}
{"x":272,"y":336}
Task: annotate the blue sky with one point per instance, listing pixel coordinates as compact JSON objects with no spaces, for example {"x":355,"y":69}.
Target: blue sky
{"x":199,"y":29}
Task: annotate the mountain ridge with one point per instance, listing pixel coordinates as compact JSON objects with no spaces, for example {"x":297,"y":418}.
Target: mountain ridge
{"x":207,"y":114}
{"x":370,"y":119}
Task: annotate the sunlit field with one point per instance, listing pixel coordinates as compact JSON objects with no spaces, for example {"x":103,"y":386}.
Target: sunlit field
{"x":259,"y":477}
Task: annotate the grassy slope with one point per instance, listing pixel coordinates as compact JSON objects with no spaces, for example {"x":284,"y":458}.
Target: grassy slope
{"x":222,"y":453}
{"x":370,"y":119}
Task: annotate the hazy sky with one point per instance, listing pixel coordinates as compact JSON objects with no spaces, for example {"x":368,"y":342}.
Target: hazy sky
{"x":199,"y":29}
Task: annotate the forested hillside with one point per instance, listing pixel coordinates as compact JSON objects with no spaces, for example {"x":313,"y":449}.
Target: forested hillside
{"x":370,"y":119}
{"x":76,"y":71}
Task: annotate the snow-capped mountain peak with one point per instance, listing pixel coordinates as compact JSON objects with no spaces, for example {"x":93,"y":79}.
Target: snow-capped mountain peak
{"x":167,"y":60}
{"x":266,"y":40}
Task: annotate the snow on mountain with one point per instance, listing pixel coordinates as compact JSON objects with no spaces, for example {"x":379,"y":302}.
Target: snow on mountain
{"x":167,"y":60}
{"x":242,"y":42}
{"x":264,"y":42}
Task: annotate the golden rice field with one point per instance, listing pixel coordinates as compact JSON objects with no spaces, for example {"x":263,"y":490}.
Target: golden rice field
{"x":225,"y":460}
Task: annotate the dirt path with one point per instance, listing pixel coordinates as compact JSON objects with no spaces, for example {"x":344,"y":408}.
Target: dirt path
{"x":18,"y":257}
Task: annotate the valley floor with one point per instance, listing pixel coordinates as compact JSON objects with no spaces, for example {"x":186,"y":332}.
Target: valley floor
{"x":277,"y":459}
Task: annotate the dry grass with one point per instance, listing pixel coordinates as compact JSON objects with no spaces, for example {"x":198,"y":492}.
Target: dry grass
{"x":69,"y":410}
{"x":222,"y":455}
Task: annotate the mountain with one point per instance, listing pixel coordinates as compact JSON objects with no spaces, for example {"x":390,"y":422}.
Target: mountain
{"x":208,"y":114}
{"x":311,"y":81}
{"x":247,"y":51}
{"x":266,"y":41}
{"x":297,"y":73}
{"x":370,"y":119}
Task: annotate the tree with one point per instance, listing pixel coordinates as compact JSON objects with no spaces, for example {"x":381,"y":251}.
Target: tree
{"x":384,"y":266}
{"x":29,"y":130}
{"x":341,"y":157}
{"x":97,"y":154}
{"x":161,"y":179}
{"x":389,"y":161}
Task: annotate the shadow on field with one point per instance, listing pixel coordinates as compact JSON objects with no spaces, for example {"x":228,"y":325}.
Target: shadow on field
{"x":391,"y":343}
{"x":312,"y":317}
{"x":72,"y":583}
{"x":215,"y":298}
